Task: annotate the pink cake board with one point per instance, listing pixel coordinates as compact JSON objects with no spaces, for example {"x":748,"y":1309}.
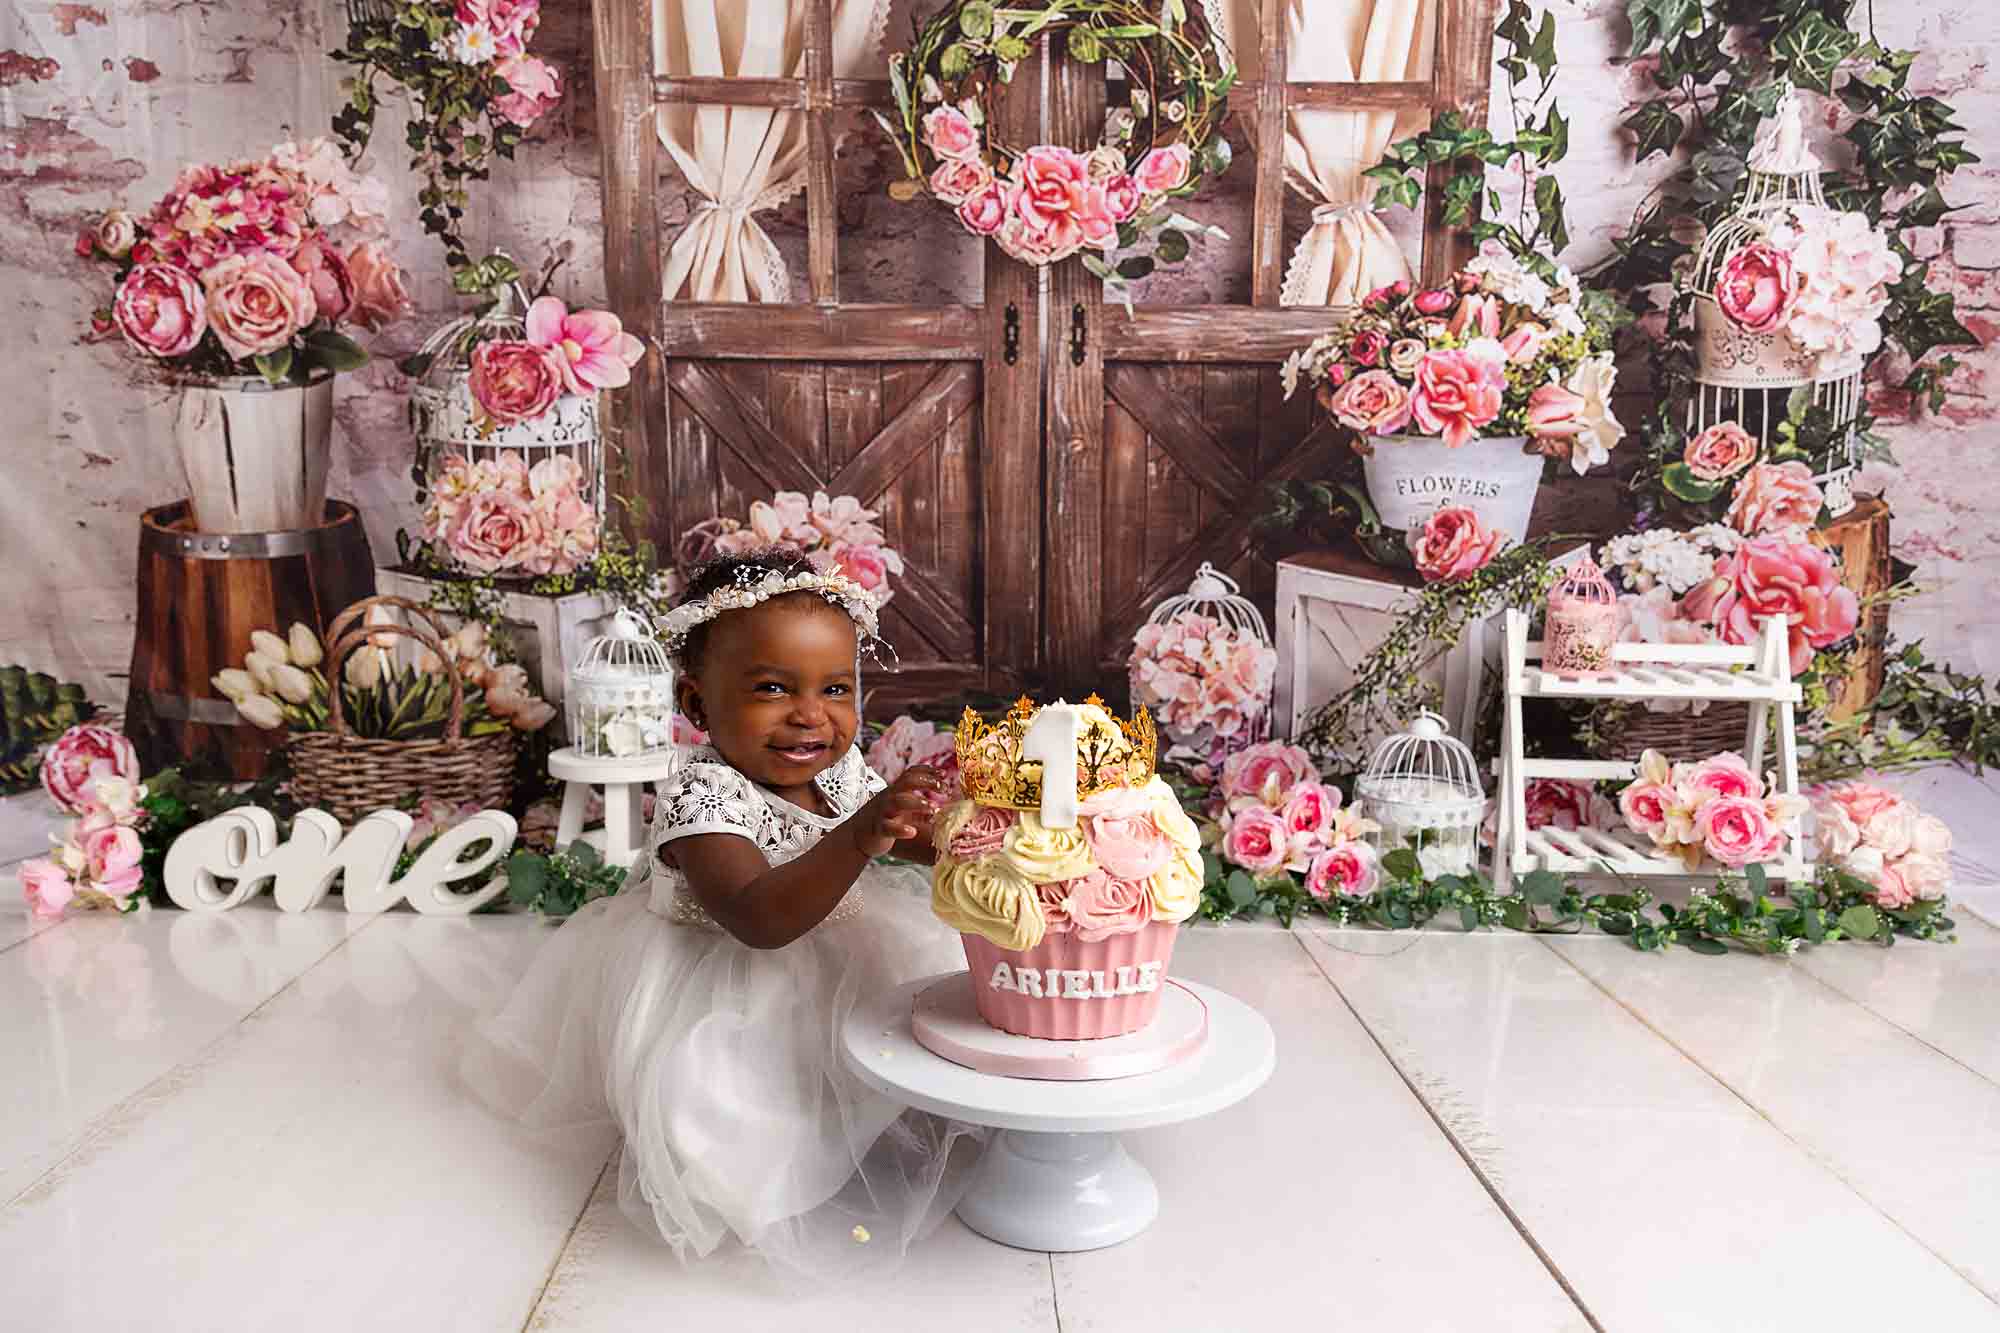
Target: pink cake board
{"x":945,"y":1022}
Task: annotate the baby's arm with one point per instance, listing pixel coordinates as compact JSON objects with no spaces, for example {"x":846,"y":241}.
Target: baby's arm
{"x":767,"y":906}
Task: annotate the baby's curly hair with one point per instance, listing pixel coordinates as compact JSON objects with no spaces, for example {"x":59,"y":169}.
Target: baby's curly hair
{"x":722,"y":571}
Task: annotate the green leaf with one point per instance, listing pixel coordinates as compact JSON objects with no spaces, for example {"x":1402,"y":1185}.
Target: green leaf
{"x":1683,"y":484}
{"x":1137,"y":266}
{"x":274,"y":366}
{"x":1172,"y":247}
{"x":1468,"y":917}
{"x":1402,"y":864}
{"x":1242,"y":889}
{"x":1084,"y":45}
{"x":1542,"y":887}
{"x":1861,"y":922}
{"x":976,"y":20}
{"x":1759,"y":882}
{"x":336,"y":351}
{"x":1811,"y":49}
{"x":1814,"y":922}
{"x":1514,"y":915}
{"x":1657,"y":126}
{"x":527,"y":877}
{"x":1706,"y":944}
{"x":1549,"y":205}
{"x":585,"y":854}
{"x":1542,"y":51}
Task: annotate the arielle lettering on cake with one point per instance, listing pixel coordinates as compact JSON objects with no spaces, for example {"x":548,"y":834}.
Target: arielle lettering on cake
{"x":1139,"y":979}
{"x":1445,"y":486}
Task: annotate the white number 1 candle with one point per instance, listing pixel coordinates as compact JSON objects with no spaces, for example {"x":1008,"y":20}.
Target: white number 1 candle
{"x":1051,"y":740}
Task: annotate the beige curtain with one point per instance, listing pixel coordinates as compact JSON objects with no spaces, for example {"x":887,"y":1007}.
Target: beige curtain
{"x":744,"y":159}
{"x":1347,"y":252}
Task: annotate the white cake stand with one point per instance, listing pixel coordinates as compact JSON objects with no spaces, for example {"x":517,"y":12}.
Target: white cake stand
{"x":1056,"y":1177}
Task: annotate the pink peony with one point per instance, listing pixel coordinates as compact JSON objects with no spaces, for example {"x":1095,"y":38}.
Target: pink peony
{"x":379,"y":295}
{"x":1772,"y":497}
{"x":906,"y":743}
{"x":1457,"y":392}
{"x":1797,"y":581}
{"x":1102,"y":904}
{"x":161,"y":310}
{"x":1055,"y":189}
{"x":495,"y":531}
{"x":1453,"y":545}
{"x":514,"y":381}
{"x":1648,"y":808}
{"x":591,"y":347}
{"x":1266,"y":773}
{"x":1737,"y":830}
{"x":1125,"y":841}
{"x":257,"y":303}
{"x":533,"y":89}
{"x":1724,"y":775}
{"x":1164,"y":169}
{"x":1563,"y":803}
{"x":1368,"y":347}
{"x":1432,"y":301}
{"x":1924,"y":875}
{"x":1755,"y":287}
{"x":957,"y":179}
{"x":1121,"y":197}
{"x":870,"y":566}
{"x":1720,"y":452}
{"x":1349,"y":869}
{"x":512,"y":22}
{"x":950,"y":133}
{"x":1310,"y":811}
{"x":47,"y":887}
{"x":983,"y":834}
{"x":81,"y":757}
{"x":1256,"y":840}
{"x":982,"y":213}
{"x":1555,"y":413}
{"x":112,"y":855}
{"x":326,"y":273}
{"x":1524,"y":344}
{"x":1373,"y":402}
{"x":1892,"y":886}
{"x":1477,"y":316}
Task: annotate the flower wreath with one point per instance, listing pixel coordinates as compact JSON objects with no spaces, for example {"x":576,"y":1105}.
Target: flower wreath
{"x":1045,"y":203}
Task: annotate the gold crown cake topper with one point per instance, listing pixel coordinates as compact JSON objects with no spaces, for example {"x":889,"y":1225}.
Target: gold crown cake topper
{"x":993,"y":771}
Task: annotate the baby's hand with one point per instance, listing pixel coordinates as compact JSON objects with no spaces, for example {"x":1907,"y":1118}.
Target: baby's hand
{"x":899,"y":814}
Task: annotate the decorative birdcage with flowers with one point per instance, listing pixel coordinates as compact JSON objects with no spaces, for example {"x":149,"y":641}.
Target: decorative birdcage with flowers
{"x":1422,"y":789}
{"x":510,"y":459}
{"x":1203,"y":663}
{"x":621,"y":694}
{"x":1787,"y":295}
{"x":1582,"y":622}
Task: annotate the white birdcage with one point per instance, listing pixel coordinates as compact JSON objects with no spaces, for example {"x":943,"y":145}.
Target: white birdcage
{"x":621,"y":694}
{"x":1217,"y":597}
{"x":448,"y":424}
{"x":1749,"y":377}
{"x":1422,"y":787}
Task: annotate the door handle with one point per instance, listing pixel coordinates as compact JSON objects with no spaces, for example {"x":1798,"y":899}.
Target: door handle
{"x":1076,"y":334}
{"x":1011,"y":334}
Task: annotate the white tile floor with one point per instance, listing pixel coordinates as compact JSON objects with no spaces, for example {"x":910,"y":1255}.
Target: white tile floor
{"x":248,"y":1122}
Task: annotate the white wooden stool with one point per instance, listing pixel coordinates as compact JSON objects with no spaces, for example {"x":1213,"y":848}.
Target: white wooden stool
{"x":624,"y":782}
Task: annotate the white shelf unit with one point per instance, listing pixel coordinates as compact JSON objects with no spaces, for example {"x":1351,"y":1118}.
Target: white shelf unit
{"x":1759,"y":674}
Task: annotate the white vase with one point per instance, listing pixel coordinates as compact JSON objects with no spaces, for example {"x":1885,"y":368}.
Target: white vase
{"x":256,"y":454}
{"x":1411,"y":476}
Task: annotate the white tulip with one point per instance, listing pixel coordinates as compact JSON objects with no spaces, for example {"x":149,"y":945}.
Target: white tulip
{"x":364,"y":669}
{"x":513,"y":676}
{"x":293,"y":685}
{"x":259,"y":666}
{"x":271,"y":646}
{"x":233,"y":683}
{"x":382,"y":615}
{"x":470,"y":640}
{"x":261,"y":710}
{"x":305,"y":647}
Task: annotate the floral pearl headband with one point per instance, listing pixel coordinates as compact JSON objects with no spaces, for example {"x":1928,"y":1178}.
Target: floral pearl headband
{"x":754,"y":587}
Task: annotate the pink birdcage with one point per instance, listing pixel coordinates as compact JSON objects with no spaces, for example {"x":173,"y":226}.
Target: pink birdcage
{"x":1582,"y":623}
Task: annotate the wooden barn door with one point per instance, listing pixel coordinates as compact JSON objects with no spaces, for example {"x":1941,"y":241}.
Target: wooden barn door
{"x":1049,"y":467}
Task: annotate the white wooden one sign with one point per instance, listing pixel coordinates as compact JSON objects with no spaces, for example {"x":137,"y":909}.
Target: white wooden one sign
{"x":228,"y":860}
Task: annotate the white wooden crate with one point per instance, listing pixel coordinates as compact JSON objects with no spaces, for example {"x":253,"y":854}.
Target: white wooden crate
{"x":545,"y":634}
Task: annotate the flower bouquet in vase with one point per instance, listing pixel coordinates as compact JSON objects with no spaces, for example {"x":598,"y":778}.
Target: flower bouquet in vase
{"x":510,"y":461}
{"x":1456,"y":394}
{"x":235,"y":288}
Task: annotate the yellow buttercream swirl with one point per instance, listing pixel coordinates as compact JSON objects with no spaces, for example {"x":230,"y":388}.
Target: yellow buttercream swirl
{"x":1177,"y":886}
{"x":1044,"y":855}
{"x":1169,"y":818}
{"x":949,"y":821}
{"x":988,"y":897}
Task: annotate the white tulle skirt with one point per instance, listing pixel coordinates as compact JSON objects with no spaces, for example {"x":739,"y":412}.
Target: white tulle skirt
{"x":721,"y":1066}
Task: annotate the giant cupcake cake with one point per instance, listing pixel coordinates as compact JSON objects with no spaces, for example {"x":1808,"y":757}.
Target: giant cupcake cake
{"x":1067,"y":898}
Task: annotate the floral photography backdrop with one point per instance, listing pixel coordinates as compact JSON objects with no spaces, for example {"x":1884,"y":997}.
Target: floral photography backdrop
{"x":101,"y":103}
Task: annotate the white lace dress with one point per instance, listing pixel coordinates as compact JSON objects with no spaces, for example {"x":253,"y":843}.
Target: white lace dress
{"x":720,"y":1063}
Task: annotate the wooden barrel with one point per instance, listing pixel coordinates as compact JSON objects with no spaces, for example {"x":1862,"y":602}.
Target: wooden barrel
{"x":200,"y":595}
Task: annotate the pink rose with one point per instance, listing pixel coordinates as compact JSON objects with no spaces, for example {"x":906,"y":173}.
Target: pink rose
{"x":1556,"y":413}
{"x":1797,"y":581}
{"x":591,"y":347}
{"x":1056,"y":238}
{"x":984,"y":834}
{"x":1892,"y":889}
{"x":1648,"y":807}
{"x":160,"y":309}
{"x":950,"y":133}
{"x":379,"y":296}
{"x":1737,"y":830}
{"x":1310,"y":811}
{"x":1772,"y":497}
{"x":1266,"y":773}
{"x":869,"y":566}
{"x":515,"y":381}
{"x":533,"y":89}
{"x":1101,"y":905}
{"x":1164,"y":169}
{"x":79,"y":758}
{"x":1477,"y":316}
{"x":257,"y":303}
{"x":1349,"y":869}
{"x":116,"y":233}
{"x":496,"y":530}
{"x":1094,"y":218}
{"x":512,"y":22}
{"x":957,"y":179}
{"x":1256,"y":840}
{"x":982,"y":213}
{"x":1562,"y":803}
{"x":1724,"y":775}
{"x":1755,"y":287}
{"x":47,"y":887}
{"x":1373,"y":402}
{"x":111,"y":851}
{"x":1367,"y":347}
{"x":1406,"y":354}
{"x":1054,"y":183}
{"x":1929,"y":836}
{"x":1453,"y":545}
{"x":1524,"y":344}
{"x":1721,"y":451}
{"x":1457,"y":392}
{"x":1430,"y":301}
{"x":1121,"y":197}
{"x":1925,"y":876}
{"x":906,"y":742}
{"x":326,"y":273}
{"x":1126,"y":843}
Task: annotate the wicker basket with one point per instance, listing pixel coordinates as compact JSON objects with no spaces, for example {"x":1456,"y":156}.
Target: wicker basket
{"x":348,"y":775}
{"x":1628,"y":732}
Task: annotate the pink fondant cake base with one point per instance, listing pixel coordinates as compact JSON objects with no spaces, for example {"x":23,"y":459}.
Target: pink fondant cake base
{"x":946,"y":1022}
{"x":1065,"y":989}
